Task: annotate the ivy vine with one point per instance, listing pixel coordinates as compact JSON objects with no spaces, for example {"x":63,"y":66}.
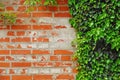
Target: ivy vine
{"x":97,"y":23}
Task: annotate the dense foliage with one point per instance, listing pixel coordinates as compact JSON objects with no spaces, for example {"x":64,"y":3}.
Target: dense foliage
{"x":97,"y":23}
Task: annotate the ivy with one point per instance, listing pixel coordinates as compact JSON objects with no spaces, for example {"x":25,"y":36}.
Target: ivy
{"x":97,"y":23}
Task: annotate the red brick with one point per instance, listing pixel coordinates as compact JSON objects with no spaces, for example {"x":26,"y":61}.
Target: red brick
{"x":10,"y":33}
{"x":63,"y":64}
{"x":54,"y":58}
{"x":63,"y":8}
{"x":19,"y":21}
{"x":21,"y":64}
{"x":21,"y":39}
{"x":19,"y":52}
{"x":62,"y":14}
{"x":10,"y":46}
{"x":60,"y":27}
{"x":4,"y":77}
{"x":21,"y":33}
{"x":63,"y":52}
{"x":4,"y":52}
{"x":4,"y":64}
{"x":42,"y":14}
{"x":10,"y":58}
{"x":41,"y":27}
{"x":4,"y":39}
{"x":4,"y":27}
{"x":9,"y":8}
{"x":66,"y":58}
{"x":33,"y":21}
{"x":21,"y":77}
{"x":65,"y":76}
{"x":23,"y":15}
{"x":21,"y":27}
{"x":42,"y":8}
{"x":42,"y":77}
{"x":52,"y":8}
{"x":21,"y":8}
{"x":62,"y":2}
{"x":74,"y":70}
{"x":2,"y":58}
{"x":40,"y":52}
{"x":22,"y":2}
{"x":43,"y":64}
{"x":40,"y":39}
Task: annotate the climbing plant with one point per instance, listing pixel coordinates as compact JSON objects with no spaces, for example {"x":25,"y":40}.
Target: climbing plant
{"x":9,"y":17}
{"x":5,"y":16}
{"x":97,"y":23}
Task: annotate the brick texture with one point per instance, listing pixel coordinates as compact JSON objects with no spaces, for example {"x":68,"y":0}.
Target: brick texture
{"x":38,"y":45}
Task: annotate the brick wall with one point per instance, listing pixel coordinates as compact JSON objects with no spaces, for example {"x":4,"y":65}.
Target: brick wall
{"x":38,"y":45}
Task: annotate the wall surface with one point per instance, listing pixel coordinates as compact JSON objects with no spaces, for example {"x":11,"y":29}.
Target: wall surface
{"x":38,"y":45}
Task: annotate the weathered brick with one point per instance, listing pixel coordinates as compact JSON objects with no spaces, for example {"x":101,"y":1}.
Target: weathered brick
{"x":21,"y":77}
{"x":66,"y":58}
{"x":52,"y":8}
{"x":42,"y":77}
{"x":2,"y":58}
{"x":65,"y":76}
{"x":21,"y":8}
{"x":10,"y":33}
{"x":63,"y":8}
{"x":21,"y":27}
{"x":21,"y":64}
{"x":54,"y":58}
{"x":4,"y":52}
{"x":40,"y":39}
{"x":43,"y":64}
{"x":62,"y":2}
{"x":42,"y":8}
{"x":41,"y":27}
{"x":9,"y":8}
{"x":42,"y":14}
{"x":4,"y":77}
{"x":21,"y":39}
{"x":20,"y":33}
{"x":5,"y":39}
{"x":40,"y":52}
{"x":63,"y":52}
{"x":19,"y":52}
{"x":23,"y":15}
{"x":4,"y":64}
